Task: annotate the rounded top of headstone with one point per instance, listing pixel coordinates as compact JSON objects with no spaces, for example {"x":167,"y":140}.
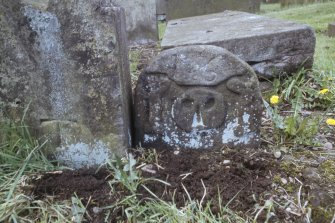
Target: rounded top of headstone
{"x":199,"y":65}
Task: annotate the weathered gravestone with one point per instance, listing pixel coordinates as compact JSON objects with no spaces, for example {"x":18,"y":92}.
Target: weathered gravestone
{"x":198,"y":97}
{"x":331,"y":29}
{"x":141,"y":21}
{"x":271,"y":46}
{"x":176,"y":9}
{"x":161,"y":9}
{"x":286,"y":3}
{"x":69,"y":65}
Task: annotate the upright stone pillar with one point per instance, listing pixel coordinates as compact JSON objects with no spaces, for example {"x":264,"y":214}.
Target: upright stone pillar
{"x":69,"y":64}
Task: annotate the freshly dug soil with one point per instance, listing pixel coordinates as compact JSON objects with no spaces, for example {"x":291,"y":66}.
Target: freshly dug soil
{"x":240,"y":178}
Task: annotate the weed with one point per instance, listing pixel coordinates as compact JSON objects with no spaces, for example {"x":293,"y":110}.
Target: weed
{"x":21,"y":155}
{"x":304,"y":90}
{"x":134,"y":59}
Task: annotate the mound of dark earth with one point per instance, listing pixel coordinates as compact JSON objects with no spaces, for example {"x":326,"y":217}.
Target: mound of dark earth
{"x":241,"y":180}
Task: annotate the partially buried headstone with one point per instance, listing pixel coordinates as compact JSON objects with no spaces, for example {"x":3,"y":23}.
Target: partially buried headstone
{"x":198,"y":97}
{"x":69,"y":66}
{"x":271,"y":46}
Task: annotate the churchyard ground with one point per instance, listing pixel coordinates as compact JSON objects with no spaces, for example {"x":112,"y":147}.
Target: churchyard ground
{"x":291,"y":178}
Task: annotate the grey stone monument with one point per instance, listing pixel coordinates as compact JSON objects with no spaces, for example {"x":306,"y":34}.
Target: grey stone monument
{"x":271,"y":46}
{"x":141,"y":21}
{"x":161,"y":9}
{"x":331,"y":29}
{"x":198,"y":97}
{"x":67,"y":61}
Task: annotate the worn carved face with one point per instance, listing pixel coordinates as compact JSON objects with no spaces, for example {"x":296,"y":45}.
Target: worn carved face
{"x":199,"y":109}
{"x":198,"y":97}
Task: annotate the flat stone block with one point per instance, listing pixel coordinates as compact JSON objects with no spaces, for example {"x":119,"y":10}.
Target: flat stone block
{"x":331,"y":29}
{"x":271,"y":46}
{"x":198,"y":97}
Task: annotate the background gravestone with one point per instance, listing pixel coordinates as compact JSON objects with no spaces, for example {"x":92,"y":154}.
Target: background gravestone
{"x":176,"y":9}
{"x":141,"y":20}
{"x":69,"y":65}
{"x":161,"y":9}
{"x":271,"y":46}
{"x":286,"y":3}
{"x":198,"y":97}
{"x":331,"y":29}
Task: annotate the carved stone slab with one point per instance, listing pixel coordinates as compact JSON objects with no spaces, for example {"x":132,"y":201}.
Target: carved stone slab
{"x":198,"y":97}
{"x":68,"y":63}
{"x":271,"y":46}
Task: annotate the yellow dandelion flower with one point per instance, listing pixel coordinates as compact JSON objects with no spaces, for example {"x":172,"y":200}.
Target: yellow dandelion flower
{"x":323,"y":91}
{"x":274,"y":99}
{"x":330,"y":121}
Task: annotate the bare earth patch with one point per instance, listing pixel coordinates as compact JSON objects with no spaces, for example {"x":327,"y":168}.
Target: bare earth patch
{"x":245,"y":181}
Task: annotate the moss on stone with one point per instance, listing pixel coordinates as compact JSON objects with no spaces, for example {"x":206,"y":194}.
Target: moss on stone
{"x":113,"y":141}
{"x":291,"y":168}
{"x":320,"y":214}
{"x":328,"y":170}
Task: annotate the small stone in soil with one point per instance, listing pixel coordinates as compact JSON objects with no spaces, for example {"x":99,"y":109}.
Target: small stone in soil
{"x":328,"y":146}
{"x":277,"y":154}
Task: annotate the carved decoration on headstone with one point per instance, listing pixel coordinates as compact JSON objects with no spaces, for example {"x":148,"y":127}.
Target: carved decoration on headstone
{"x":198,"y":97}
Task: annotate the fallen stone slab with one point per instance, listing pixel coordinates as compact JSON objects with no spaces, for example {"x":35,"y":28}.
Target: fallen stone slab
{"x":331,"y":29}
{"x":198,"y":97}
{"x":271,"y":46}
{"x":67,"y":63}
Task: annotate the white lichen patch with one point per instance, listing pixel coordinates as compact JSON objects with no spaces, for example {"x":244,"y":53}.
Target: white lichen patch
{"x":149,"y":138}
{"x":197,"y":121}
{"x":195,"y":139}
{"x":229,"y":133}
{"x":83,"y":155}
{"x":47,"y":27}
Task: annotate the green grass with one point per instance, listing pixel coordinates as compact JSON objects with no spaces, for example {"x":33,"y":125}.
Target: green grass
{"x":317,"y":16}
{"x":161,"y":29}
{"x":324,"y":59}
{"x":21,"y":156}
{"x":273,"y":7}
